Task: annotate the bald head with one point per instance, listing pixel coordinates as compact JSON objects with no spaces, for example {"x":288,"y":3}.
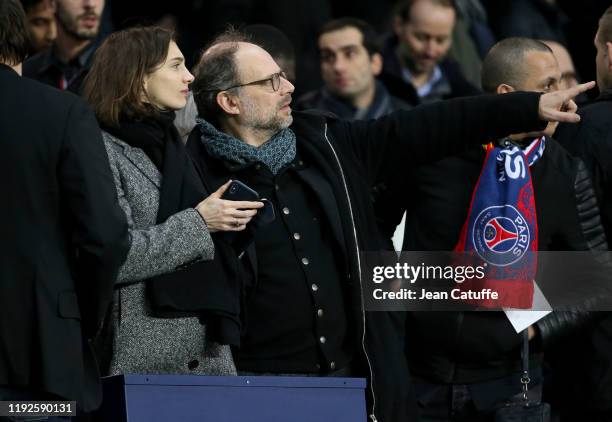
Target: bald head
{"x":505,"y":63}
{"x":215,"y":71}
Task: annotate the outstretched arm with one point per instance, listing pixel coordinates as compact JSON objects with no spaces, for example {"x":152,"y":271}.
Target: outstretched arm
{"x":436,"y":130}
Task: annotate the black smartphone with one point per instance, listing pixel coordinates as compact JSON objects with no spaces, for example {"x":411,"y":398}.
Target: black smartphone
{"x":238,"y":191}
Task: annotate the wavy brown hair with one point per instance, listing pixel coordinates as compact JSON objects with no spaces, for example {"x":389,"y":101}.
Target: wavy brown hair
{"x":114,"y":86}
{"x":13,"y":33}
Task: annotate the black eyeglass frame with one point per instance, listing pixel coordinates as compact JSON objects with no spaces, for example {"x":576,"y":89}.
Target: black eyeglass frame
{"x":276,"y":76}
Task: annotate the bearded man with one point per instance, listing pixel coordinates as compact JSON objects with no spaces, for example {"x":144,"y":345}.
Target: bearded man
{"x":67,"y":62}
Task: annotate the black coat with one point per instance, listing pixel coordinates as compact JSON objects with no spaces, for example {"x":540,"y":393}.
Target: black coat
{"x":353,"y":157}
{"x":62,"y":239}
{"x":591,"y":140}
{"x":467,"y":347}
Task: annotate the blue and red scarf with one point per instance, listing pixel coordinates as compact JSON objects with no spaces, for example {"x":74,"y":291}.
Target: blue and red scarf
{"x":501,"y":229}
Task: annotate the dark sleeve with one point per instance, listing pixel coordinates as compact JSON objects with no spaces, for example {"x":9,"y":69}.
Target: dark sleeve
{"x":99,"y":227}
{"x":587,"y":235}
{"x":407,"y":138}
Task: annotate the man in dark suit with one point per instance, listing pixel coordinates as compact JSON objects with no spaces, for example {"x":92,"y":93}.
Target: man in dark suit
{"x":62,"y":233}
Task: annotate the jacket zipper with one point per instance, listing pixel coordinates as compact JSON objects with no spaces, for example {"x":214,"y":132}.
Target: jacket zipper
{"x":372,"y":415}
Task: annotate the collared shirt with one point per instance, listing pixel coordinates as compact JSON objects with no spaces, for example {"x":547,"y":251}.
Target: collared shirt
{"x":48,"y":68}
{"x":429,"y":86}
{"x":382,"y":104}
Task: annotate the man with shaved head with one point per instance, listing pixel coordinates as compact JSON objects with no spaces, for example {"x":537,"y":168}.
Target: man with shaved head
{"x":471,"y":368}
{"x":303,"y":279}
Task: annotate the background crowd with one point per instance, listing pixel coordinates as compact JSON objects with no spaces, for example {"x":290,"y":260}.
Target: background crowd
{"x":186,"y":104}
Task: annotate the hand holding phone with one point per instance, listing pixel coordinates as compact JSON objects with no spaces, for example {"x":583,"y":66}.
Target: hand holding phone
{"x":221,"y":214}
{"x":238,"y":191}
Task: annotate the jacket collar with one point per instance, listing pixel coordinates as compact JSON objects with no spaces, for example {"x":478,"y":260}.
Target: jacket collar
{"x":83,"y":59}
{"x":139,"y":159}
{"x":7,"y":68}
{"x":605,"y":95}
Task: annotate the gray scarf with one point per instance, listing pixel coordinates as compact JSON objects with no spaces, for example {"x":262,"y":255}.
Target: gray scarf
{"x":275,"y":153}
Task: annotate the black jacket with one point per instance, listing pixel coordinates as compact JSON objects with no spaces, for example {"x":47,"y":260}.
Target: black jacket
{"x":62,"y":239}
{"x":591,"y":140}
{"x":382,"y":104}
{"x":467,"y":347}
{"x":391,"y":77}
{"x":353,"y":157}
{"x":47,"y":68}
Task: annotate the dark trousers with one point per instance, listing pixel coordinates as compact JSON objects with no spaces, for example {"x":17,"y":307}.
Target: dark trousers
{"x":8,"y":393}
{"x":475,"y":402}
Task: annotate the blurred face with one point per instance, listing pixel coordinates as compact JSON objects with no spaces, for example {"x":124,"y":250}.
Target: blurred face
{"x":566,"y":65}
{"x":167,"y":87}
{"x":426,"y":37}
{"x":260,"y":107}
{"x":41,"y":26}
{"x":603,"y":62}
{"x":542,"y":74}
{"x":347,"y":68}
{"x":80,"y":18}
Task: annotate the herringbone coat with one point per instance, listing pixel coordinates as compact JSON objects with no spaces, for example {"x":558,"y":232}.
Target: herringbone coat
{"x":141,"y":342}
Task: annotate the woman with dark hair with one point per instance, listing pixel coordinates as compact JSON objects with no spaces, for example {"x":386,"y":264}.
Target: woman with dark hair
{"x":177,"y":299}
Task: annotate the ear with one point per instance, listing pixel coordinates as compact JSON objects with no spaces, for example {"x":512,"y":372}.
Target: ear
{"x":504,"y":89}
{"x":376,"y":62}
{"x":228,"y":103}
{"x":609,"y":52}
{"x":145,"y":89}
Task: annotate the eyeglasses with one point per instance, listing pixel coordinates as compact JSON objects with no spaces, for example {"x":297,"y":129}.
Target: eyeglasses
{"x":274,"y":80}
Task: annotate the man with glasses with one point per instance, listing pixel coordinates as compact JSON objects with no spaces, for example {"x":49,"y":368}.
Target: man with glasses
{"x":303,"y":284}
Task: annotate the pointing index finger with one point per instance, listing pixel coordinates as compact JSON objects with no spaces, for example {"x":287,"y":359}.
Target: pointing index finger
{"x":578,"y":89}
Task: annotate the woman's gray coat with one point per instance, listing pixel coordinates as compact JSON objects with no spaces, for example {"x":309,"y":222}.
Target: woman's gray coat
{"x":142,"y":343}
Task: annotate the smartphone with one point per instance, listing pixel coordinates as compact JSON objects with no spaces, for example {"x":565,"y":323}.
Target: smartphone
{"x":238,"y":191}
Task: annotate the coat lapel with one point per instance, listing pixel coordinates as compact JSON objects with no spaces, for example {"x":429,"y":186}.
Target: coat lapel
{"x":140,"y":161}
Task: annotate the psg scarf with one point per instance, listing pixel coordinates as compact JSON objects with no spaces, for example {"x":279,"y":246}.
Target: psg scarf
{"x":501,"y":229}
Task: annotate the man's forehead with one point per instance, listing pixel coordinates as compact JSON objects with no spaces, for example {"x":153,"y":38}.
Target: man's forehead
{"x":542,"y":65}
{"x":252,"y":60}
{"x":339,"y":38}
{"x":541,"y":58}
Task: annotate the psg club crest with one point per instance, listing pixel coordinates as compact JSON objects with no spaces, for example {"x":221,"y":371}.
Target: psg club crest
{"x":501,"y":235}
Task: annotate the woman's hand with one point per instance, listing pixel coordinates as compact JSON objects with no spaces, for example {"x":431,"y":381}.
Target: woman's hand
{"x":223,"y":215}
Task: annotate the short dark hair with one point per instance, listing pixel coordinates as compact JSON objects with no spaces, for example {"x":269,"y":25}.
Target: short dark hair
{"x":605,"y":27}
{"x":404,"y":7}
{"x":13,"y":33}
{"x":368,"y":33}
{"x":502,"y":64}
{"x":115,"y":83}
{"x":216,"y":70}
{"x":30,"y":4}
